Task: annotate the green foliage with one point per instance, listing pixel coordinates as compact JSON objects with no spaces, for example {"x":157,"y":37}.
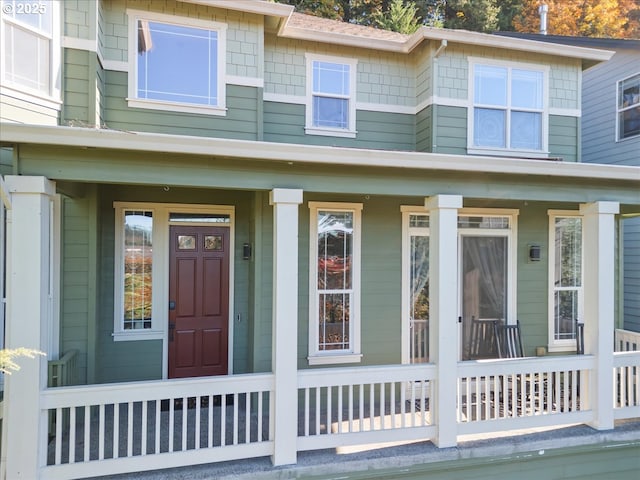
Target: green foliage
{"x":400,"y":18}
{"x":8,"y":357}
{"x":406,"y":16}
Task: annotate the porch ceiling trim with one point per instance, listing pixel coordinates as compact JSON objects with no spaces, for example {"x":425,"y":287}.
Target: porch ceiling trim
{"x":11,"y":133}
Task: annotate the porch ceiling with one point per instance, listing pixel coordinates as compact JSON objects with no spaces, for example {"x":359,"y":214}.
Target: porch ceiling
{"x":106,"y":156}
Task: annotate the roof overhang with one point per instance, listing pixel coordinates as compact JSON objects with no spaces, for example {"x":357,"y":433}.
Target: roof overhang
{"x":15,"y":134}
{"x":282,"y":15}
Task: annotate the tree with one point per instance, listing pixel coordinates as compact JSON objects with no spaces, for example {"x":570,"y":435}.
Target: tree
{"x":8,"y":357}
{"x":401,"y":17}
{"x":586,"y":18}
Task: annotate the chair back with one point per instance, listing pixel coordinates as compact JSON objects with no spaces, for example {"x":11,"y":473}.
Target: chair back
{"x":579,"y":338}
{"x":509,"y":340}
{"x":482,"y":342}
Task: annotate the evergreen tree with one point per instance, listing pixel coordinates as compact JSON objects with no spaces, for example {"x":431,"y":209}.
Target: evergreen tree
{"x":401,"y":17}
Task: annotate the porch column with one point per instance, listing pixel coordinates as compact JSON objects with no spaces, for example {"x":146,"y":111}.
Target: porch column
{"x":27,"y":322}
{"x":599,"y":304}
{"x":443,"y":311}
{"x":284,"y":406}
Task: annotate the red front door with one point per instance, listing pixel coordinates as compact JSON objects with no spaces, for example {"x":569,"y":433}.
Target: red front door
{"x":198,"y":301}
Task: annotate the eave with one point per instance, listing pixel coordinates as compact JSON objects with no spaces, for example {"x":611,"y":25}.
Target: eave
{"x":15,"y":134}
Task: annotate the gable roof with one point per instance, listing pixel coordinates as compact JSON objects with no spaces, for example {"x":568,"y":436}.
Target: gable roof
{"x":290,"y":24}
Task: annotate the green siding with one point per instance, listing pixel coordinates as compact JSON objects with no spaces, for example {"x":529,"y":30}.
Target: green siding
{"x":424,"y":130}
{"x":77,"y":84}
{"x":284,"y":122}
{"x":450,"y":130}
{"x":240,"y":121}
{"x":563,"y":137}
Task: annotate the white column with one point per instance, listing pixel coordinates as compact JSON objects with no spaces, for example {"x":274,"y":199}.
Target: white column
{"x":27,"y":322}
{"x":284,"y":405}
{"x":599,"y":304}
{"x":443,"y":311}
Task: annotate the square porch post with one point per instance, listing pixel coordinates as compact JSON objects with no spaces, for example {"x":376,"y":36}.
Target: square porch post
{"x":284,"y":405}
{"x":443,"y":311}
{"x":599,"y":305}
{"x":28,"y":268}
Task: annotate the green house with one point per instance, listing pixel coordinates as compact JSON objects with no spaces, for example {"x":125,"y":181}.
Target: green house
{"x":239,"y":231}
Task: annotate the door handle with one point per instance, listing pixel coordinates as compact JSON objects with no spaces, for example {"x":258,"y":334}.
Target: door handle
{"x":172,"y":305}
{"x":172,"y":327}
{"x":459,"y":319}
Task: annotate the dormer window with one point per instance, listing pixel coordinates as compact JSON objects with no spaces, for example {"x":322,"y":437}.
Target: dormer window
{"x":508,"y":113}
{"x":331,"y":89}
{"x":176,"y":64}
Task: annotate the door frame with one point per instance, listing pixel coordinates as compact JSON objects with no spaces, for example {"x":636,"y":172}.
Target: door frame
{"x":512,"y":258}
{"x":166,"y":224}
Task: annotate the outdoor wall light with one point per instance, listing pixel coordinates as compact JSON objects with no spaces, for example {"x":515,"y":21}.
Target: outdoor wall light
{"x":535,"y":253}
{"x":246,"y":251}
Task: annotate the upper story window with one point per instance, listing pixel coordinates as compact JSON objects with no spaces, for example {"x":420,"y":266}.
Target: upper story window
{"x":334,"y":300}
{"x":509,"y":109}
{"x":629,"y":107}
{"x":331,"y":103}
{"x":176,"y":64}
{"x":565,"y":278}
{"x":31,"y":47}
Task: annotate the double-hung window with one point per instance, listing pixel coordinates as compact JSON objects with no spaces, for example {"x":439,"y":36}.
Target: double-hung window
{"x":331,"y":85}
{"x":31,"y":47}
{"x":334,"y":284}
{"x":508,"y":113}
{"x":176,"y":63}
{"x":565,"y":278}
{"x":628,"y":108}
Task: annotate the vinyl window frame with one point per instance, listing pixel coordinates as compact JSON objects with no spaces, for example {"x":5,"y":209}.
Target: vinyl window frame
{"x":53,"y":97}
{"x":562,"y":345}
{"x":619,"y":109}
{"x":310,"y":128}
{"x":543,"y":152}
{"x":353,"y":354}
{"x":134,"y":101}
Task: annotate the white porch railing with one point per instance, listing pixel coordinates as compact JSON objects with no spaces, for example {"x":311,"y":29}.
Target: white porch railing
{"x":510,"y":394}
{"x":626,"y":388}
{"x":130,"y":427}
{"x":364,"y":405}
{"x":162,"y":424}
{"x":626,"y":340}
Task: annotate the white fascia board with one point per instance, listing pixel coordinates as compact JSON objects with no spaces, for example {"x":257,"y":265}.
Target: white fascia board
{"x":250,"y":6}
{"x":524,"y":45}
{"x":12,"y":133}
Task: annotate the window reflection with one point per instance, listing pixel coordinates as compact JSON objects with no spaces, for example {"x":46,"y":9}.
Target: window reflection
{"x":138,"y":267}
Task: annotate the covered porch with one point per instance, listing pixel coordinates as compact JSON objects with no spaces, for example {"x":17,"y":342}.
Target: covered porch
{"x":398,"y":393}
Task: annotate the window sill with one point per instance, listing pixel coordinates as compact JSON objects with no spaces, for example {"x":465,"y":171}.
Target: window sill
{"x":27,"y":95}
{"x":330,"y":132}
{"x":176,"y":107}
{"x":501,"y":152}
{"x":333,"y":359}
{"x":135,"y":335}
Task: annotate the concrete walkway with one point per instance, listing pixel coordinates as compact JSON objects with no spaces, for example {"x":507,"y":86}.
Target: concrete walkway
{"x":378,"y":462}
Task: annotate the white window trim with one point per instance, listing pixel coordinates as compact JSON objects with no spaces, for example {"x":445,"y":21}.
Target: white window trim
{"x":135,"y":102}
{"x":317,"y":357}
{"x":476,"y":150}
{"x":407,"y":211}
{"x":553,"y":344}
{"x":618,"y":138}
{"x":310,"y":129}
{"x":160,"y":275}
{"x":512,"y":253}
{"x":54,"y":98}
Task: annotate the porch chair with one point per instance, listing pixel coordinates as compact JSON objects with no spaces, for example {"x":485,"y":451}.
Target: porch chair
{"x":482,"y":339}
{"x":508,"y":340}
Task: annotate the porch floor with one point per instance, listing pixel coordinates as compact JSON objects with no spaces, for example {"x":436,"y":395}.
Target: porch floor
{"x":380,"y":458}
